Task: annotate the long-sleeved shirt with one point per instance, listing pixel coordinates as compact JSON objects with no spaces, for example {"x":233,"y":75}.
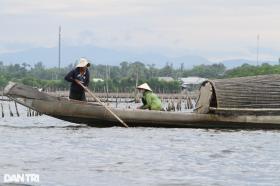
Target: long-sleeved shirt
{"x":83,"y":78}
{"x":151,"y":101}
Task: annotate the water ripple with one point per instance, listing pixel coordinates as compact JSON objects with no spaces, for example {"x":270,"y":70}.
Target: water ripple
{"x":68,"y":154}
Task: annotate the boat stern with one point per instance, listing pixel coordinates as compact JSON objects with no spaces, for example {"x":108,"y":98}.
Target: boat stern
{"x":8,"y":88}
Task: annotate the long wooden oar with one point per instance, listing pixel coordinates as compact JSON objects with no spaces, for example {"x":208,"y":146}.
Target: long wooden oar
{"x":97,"y":99}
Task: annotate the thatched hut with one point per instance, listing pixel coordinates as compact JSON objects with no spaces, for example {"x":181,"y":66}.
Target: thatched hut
{"x":240,"y":94}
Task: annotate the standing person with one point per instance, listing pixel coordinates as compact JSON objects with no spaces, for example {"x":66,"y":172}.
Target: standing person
{"x":150,"y":100}
{"x":81,"y":74}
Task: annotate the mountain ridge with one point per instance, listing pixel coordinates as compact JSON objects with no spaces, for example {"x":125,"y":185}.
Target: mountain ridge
{"x":69,"y":54}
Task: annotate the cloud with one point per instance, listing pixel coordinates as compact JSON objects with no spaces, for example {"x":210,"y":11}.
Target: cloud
{"x":174,"y":27}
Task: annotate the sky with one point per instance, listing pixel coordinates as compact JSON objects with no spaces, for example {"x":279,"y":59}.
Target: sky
{"x":214,"y":29}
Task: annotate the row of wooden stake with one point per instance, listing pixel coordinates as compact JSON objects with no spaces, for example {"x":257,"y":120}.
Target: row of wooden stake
{"x":30,"y":112}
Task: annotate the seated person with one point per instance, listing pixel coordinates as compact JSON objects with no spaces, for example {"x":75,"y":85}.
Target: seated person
{"x":150,"y":100}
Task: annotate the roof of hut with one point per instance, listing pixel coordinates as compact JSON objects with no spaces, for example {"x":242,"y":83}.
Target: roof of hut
{"x":191,"y":80}
{"x":245,"y":92}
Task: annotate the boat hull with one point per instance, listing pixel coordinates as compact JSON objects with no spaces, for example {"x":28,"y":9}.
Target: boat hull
{"x":96,"y":115}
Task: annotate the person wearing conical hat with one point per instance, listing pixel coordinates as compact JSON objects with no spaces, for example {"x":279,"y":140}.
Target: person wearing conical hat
{"x":150,"y":100}
{"x":80,"y":74}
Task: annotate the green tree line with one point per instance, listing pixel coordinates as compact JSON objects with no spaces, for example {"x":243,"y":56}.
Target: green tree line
{"x":124,"y":77}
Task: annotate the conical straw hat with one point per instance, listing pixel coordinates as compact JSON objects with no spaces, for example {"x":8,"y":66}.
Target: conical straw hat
{"x":144,"y":86}
{"x":83,"y":63}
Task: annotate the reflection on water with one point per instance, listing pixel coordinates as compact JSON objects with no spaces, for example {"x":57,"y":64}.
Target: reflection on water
{"x":63,"y":153}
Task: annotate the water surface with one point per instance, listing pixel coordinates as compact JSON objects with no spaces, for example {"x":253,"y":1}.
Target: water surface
{"x":64,"y":153}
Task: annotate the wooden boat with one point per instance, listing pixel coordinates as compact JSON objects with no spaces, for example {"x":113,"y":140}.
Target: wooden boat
{"x":227,"y":103}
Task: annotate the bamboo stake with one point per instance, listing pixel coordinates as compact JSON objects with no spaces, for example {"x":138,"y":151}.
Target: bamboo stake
{"x":11,"y":113}
{"x":98,"y":100}
{"x":16,"y":109}
{"x":2,"y":110}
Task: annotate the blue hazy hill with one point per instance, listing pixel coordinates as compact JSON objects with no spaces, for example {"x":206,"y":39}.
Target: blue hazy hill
{"x":49,"y":57}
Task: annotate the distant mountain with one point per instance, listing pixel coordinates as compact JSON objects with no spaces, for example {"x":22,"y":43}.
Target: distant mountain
{"x":191,"y":60}
{"x":49,"y":57}
{"x":69,"y":54}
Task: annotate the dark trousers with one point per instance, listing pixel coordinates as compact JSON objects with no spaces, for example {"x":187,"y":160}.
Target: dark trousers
{"x":77,"y":96}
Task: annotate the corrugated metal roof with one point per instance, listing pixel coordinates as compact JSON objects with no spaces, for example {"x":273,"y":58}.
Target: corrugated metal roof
{"x":191,"y":80}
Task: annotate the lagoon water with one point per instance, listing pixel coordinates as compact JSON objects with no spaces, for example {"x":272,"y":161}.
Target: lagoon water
{"x":64,"y":153}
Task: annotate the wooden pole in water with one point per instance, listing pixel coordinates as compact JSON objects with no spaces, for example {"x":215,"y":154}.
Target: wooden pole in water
{"x":29,"y":112}
{"x":191,"y":105}
{"x":117,"y":96}
{"x":11,"y":113}
{"x":107,"y":86}
{"x":16,"y":109}
{"x":59,"y":47}
{"x":98,"y":100}
{"x":2,"y":110}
